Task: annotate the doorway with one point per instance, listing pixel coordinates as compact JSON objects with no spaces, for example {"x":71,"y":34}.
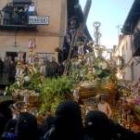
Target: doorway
{"x":13,"y":55}
{"x":20,"y":55}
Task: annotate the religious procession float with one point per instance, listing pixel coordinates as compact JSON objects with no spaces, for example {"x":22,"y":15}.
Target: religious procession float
{"x":87,"y":76}
{"x":89,"y":73}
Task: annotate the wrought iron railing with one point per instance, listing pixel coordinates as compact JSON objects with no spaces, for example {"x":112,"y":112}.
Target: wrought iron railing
{"x":16,"y":15}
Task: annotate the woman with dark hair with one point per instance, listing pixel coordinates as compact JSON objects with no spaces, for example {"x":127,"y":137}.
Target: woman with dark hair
{"x":68,"y":122}
{"x":48,"y":123}
{"x":26,"y":128}
{"x":98,"y":126}
{"x":5,"y":109}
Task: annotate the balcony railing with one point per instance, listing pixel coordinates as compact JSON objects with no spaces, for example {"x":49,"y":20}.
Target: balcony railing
{"x":16,"y":15}
{"x":136,"y":44}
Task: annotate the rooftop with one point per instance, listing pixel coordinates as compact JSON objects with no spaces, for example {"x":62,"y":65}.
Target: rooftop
{"x":132,"y":18}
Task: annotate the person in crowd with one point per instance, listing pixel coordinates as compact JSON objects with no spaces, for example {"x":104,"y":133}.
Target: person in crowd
{"x":98,"y":126}
{"x":5,"y":109}
{"x":15,"y":111}
{"x":47,"y":125}
{"x":1,"y":68}
{"x":2,"y":123}
{"x":68,"y":122}
{"x":5,"y":114}
{"x":9,"y":132}
{"x":52,"y":68}
{"x":104,"y":106}
{"x":26,"y":127}
{"x":47,"y":63}
{"x":12,"y":71}
{"x":60,"y":69}
{"x":60,"y":55}
{"x":1,"y":65}
{"x":6,"y":69}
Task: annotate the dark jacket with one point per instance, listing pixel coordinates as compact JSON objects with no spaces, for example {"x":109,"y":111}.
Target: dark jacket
{"x":1,"y":66}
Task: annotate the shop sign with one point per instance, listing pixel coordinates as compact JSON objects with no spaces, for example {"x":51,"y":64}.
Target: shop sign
{"x":36,"y":20}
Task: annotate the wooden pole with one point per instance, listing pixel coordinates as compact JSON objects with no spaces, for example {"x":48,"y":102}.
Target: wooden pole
{"x":76,"y":34}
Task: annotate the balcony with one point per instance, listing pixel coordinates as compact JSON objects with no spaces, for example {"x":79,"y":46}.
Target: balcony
{"x":16,"y":15}
{"x":136,"y":44}
{"x":19,"y":2}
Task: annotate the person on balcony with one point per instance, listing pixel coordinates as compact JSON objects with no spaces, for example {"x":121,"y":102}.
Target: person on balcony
{"x":31,"y":10}
{"x":26,"y":7}
{"x":21,"y":15}
{"x":7,"y":13}
{"x":16,"y":18}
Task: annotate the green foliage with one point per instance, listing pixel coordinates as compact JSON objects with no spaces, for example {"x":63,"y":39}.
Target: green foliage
{"x":104,"y":73}
{"x":54,"y":91}
{"x":136,"y":110}
{"x":34,"y":83}
{"x":11,"y":89}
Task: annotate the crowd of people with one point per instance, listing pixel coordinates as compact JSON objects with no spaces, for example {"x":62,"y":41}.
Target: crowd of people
{"x":66,"y":124}
{"x":17,"y":15}
{"x":10,"y":69}
{"x":7,"y":70}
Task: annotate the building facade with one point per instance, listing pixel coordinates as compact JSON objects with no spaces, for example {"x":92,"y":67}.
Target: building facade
{"x":128,"y":50}
{"x":18,"y":35}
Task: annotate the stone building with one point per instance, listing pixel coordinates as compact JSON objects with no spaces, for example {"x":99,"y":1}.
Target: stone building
{"x":128,"y":49}
{"x":37,"y":24}
{"x":17,"y":34}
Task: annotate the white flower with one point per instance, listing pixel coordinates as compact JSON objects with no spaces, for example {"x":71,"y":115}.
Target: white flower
{"x":27,"y":78}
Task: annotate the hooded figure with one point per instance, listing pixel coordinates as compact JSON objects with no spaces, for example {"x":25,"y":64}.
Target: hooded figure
{"x":68,"y":122}
{"x":5,"y":109}
{"x":98,"y":126}
{"x":48,"y":123}
{"x":2,"y":123}
{"x":26,"y":128}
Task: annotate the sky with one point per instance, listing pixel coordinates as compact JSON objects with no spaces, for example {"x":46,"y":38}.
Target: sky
{"x":111,"y":14}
